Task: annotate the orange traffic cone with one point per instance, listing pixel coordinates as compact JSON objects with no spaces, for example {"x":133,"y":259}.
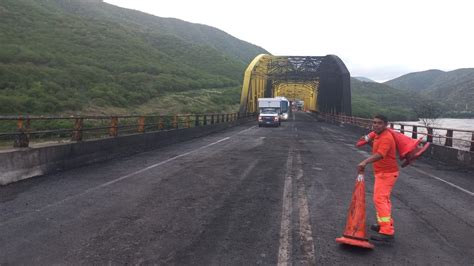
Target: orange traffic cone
{"x":355,"y":232}
{"x":366,"y":139}
{"x":408,"y":149}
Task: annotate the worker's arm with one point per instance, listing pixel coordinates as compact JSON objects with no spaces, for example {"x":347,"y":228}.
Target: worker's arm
{"x":373,"y":158}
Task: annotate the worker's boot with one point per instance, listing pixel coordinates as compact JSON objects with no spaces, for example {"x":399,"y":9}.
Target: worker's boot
{"x":375,"y":228}
{"x":382,"y":237}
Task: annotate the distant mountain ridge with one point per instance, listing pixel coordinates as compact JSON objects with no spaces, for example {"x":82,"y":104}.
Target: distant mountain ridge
{"x":453,"y":88}
{"x":416,"y":81}
{"x":364,"y":79}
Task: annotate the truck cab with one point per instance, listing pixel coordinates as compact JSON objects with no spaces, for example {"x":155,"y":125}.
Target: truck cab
{"x":269,"y":117}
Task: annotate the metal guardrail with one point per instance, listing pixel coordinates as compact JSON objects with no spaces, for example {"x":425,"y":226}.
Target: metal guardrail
{"x":437,"y":135}
{"x":21,"y":130}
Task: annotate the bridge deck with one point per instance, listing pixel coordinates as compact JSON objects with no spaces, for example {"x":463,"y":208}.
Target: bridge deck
{"x":248,"y":195}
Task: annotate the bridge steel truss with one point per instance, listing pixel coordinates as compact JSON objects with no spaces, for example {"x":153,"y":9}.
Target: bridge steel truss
{"x":322,"y":82}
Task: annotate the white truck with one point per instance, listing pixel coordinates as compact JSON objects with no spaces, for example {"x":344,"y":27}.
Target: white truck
{"x":269,"y":111}
{"x":284,"y":107}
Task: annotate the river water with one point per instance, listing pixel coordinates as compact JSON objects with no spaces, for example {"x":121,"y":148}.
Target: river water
{"x":461,"y":140}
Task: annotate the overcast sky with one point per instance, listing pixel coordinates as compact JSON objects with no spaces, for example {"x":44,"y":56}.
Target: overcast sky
{"x":378,"y":39}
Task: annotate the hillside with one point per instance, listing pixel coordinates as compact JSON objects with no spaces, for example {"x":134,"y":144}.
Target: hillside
{"x":454,"y":88}
{"x":417,"y":81}
{"x":63,"y":55}
{"x":369,"y":98}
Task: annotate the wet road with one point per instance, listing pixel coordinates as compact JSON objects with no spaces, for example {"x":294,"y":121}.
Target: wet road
{"x":244,"y":196}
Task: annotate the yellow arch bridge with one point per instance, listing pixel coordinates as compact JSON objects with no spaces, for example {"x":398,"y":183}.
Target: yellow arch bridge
{"x":322,"y":82}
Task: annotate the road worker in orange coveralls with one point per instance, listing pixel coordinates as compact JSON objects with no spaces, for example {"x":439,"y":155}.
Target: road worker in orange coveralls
{"x":386,"y":173}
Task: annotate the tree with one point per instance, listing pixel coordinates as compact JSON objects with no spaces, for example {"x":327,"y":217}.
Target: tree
{"x":428,"y":112}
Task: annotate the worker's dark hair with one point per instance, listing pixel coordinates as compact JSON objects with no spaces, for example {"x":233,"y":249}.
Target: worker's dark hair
{"x":382,"y":117}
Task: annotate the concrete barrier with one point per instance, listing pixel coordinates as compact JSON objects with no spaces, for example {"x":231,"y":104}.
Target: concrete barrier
{"x":23,"y":163}
{"x":451,"y":156}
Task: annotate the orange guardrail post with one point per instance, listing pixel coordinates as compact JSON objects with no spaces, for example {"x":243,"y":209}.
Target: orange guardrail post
{"x":196,"y":121}
{"x":160,"y":123}
{"x":449,"y":138}
{"x":113,"y":129}
{"x":472,"y":142}
{"x":429,"y":137}
{"x":141,"y":124}
{"x":175,"y":121}
{"x":77,"y":133}
{"x":22,"y":139}
{"x":414,"y":133}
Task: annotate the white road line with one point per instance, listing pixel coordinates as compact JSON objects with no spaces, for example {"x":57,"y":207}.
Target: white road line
{"x":306,"y":233}
{"x":117,"y":180}
{"x":442,"y":180}
{"x":247,"y":129}
{"x":284,"y":251}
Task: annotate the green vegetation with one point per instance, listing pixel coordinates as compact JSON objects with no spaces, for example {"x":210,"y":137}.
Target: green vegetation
{"x":417,"y":81}
{"x":218,"y":100}
{"x":369,"y":98}
{"x":454,"y":89}
{"x":89,"y":57}
{"x":84,"y":56}
{"x":451,"y":94}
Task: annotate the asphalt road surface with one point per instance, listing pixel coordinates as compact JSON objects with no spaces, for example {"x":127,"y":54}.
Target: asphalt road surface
{"x":245,"y":196}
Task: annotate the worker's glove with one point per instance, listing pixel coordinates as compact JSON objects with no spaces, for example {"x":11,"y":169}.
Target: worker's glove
{"x":361,"y":167}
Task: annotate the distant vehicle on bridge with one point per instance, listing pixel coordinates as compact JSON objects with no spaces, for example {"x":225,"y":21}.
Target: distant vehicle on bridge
{"x":268,"y":117}
{"x":269,"y":111}
{"x":280,"y":104}
{"x":284,"y":107}
{"x":299,"y":105}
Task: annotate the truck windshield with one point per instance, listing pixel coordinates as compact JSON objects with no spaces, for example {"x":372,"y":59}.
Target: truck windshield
{"x":268,"y":111}
{"x":284,"y":106}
